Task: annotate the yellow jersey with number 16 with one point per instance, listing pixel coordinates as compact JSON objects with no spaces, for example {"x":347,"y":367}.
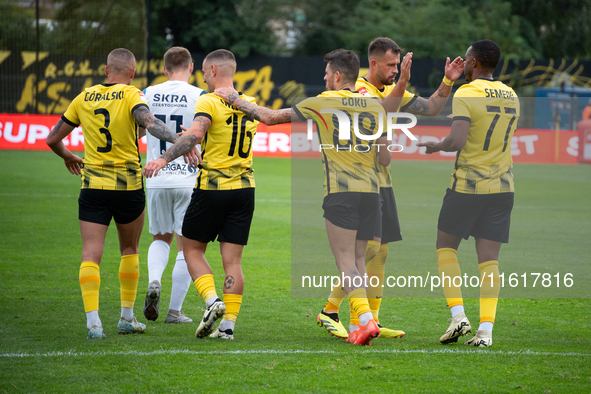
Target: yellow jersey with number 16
{"x":111,"y":151}
{"x":483,"y":165}
{"x":226,"y":148}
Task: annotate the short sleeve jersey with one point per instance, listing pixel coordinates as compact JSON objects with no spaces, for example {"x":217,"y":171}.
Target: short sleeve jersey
{"x":349,"y":165}
{"x":226,"y":148}
{"x":364,"y":87}
{"x":111,"y":153}
{"x":483,"y":165}
{"x":173,"y":102}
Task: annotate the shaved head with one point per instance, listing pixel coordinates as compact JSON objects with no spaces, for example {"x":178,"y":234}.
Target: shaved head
{"x":224,"y":61}
{"x":121,"y":62}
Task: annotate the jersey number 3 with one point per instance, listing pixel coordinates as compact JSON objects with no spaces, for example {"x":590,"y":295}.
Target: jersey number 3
{"x":104,"y":130}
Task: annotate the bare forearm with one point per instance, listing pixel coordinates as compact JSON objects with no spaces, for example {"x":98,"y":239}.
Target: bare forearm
{"x":262,"y":114}
{"x":155,"y":126}
{"x":182,"y":146}
{"x":438,"y":99}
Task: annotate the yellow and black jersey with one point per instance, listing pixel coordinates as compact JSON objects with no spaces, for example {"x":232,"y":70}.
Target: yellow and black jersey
{"x":483,"y":165}
{"x":364,"y":87}
{"x":226,"y":148}
{"x":111,"y":152}
{"x":349,"y":164}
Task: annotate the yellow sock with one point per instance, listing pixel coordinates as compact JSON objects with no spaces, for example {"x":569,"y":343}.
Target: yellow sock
{"x":90,"y":282}
{"x":375,"y":269}
{"x":358,"y":298}
{"x":335,"y":299}
{"x":489,"y":293}
{"x":373,"y":247}
{"x":449,"y":268}
{"x":129,"y":274}
{"x":233,"y":303}
{"x":354,"y":318}
{"x":205,"y":287}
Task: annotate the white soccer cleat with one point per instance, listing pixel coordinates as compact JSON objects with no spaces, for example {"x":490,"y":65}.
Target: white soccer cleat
{"x":177,"y":317}
{"x":130,"y":327}
{"x":212,"y":313}
{"x":226,"y":334}
{"x":96,"y":332}
{"x":481,"y":339}
{"x":459,"y":326}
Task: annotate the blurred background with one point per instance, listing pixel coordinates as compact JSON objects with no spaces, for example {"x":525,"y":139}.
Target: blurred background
{"x":50,"y":50}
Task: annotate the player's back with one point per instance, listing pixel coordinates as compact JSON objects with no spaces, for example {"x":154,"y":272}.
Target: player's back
{"x":226,"y":146}
{"x":173,"y":102}
{"x":349,"y":164}
{"x":483,"y":165}
{"x":111,"y":152}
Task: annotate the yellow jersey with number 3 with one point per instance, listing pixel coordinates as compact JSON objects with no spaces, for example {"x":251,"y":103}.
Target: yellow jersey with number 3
{"x":226,"y":148}
{"x":483,"y":165}
{"x":111,"y":150}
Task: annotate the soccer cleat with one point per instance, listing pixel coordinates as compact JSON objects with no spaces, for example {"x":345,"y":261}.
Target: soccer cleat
{"x":96,"y":332}
{"x":226,"y":334}
{"x":330,"y":321}
{"x":459,"y":326}
{"x":130,"y":327}
{"x":177,"y":317}
{"x":366,"y":333}
{"x":152,"y":302}
{"x":212,"y":313}
{"x":481,"y":339}
{"x":389,"y":333}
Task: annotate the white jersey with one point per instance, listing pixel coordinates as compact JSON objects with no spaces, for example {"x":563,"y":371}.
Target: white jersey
{"x":173,"y":102}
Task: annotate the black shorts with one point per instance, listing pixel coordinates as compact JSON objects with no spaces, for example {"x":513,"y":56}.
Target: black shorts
{"x":387,"y":224}
{"x":99,"y":206}
{"x":353,"y":211}
{"x":225,"y":214}
{"x":486,"y":216}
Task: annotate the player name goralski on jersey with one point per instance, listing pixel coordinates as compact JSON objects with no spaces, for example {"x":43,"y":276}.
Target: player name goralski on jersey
{"x":94,"y":96}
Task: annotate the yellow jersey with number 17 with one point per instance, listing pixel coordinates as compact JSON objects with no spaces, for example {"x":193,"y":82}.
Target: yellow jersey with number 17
{"x":226,"y":148}
{"x":483,"y":165}
{"x":111,"y":151}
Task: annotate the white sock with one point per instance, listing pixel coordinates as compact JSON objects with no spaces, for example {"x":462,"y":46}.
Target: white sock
{"x":225,"y":324}
{"x":210,"y":301}
{"x":456,"y":310}
{"x":127,"y":313}
{"x":92,"y":319}
{"x":486,"y":326}
{"x":181,"y":280}
{"x":353,"y":327}
{"x":364,"y":318}
{"x":157,"y":260}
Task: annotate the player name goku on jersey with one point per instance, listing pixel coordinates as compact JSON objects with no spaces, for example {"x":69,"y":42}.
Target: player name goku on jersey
{"x":226,"y":148}
{"x":111,"y":153}
{"x":483,"y":165}
{"x":349,"y":166}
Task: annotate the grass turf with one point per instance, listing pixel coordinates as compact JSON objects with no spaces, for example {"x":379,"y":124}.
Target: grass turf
{"x":541,"y":344}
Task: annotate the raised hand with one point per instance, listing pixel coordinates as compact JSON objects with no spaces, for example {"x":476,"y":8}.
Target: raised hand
{"x":454,"y":69}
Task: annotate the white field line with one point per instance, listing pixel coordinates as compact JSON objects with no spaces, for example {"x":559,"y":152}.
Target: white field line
{"x":74,"y":353}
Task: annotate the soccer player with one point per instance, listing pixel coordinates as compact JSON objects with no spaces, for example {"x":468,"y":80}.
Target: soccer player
{"x":351,"y":189}
{"x":169,"y":193}
{"x":222,"y":204}
{"x":479,"y":199}
{"x":112,"y":183}
{"x":384,"y":58}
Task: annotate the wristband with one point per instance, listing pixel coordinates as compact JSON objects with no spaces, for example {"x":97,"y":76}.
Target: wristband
{"x":448,"y":82}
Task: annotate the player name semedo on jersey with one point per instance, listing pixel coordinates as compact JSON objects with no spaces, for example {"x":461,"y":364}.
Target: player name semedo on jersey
{"x":499,"y":93}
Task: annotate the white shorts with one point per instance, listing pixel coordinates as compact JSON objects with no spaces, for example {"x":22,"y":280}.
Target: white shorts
{"x":166,"y":209}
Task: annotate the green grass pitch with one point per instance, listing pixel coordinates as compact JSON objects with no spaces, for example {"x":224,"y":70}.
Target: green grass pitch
{"x":541,"y":345}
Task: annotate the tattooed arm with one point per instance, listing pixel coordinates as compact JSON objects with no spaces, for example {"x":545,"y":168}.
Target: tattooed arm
{"x":436,"y":102}
{"x":54,"y":141}
{"x":262,"y":114}
{"x":391,"y":103}
{"x":155,"y":126}
{"x":183,"y":145}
